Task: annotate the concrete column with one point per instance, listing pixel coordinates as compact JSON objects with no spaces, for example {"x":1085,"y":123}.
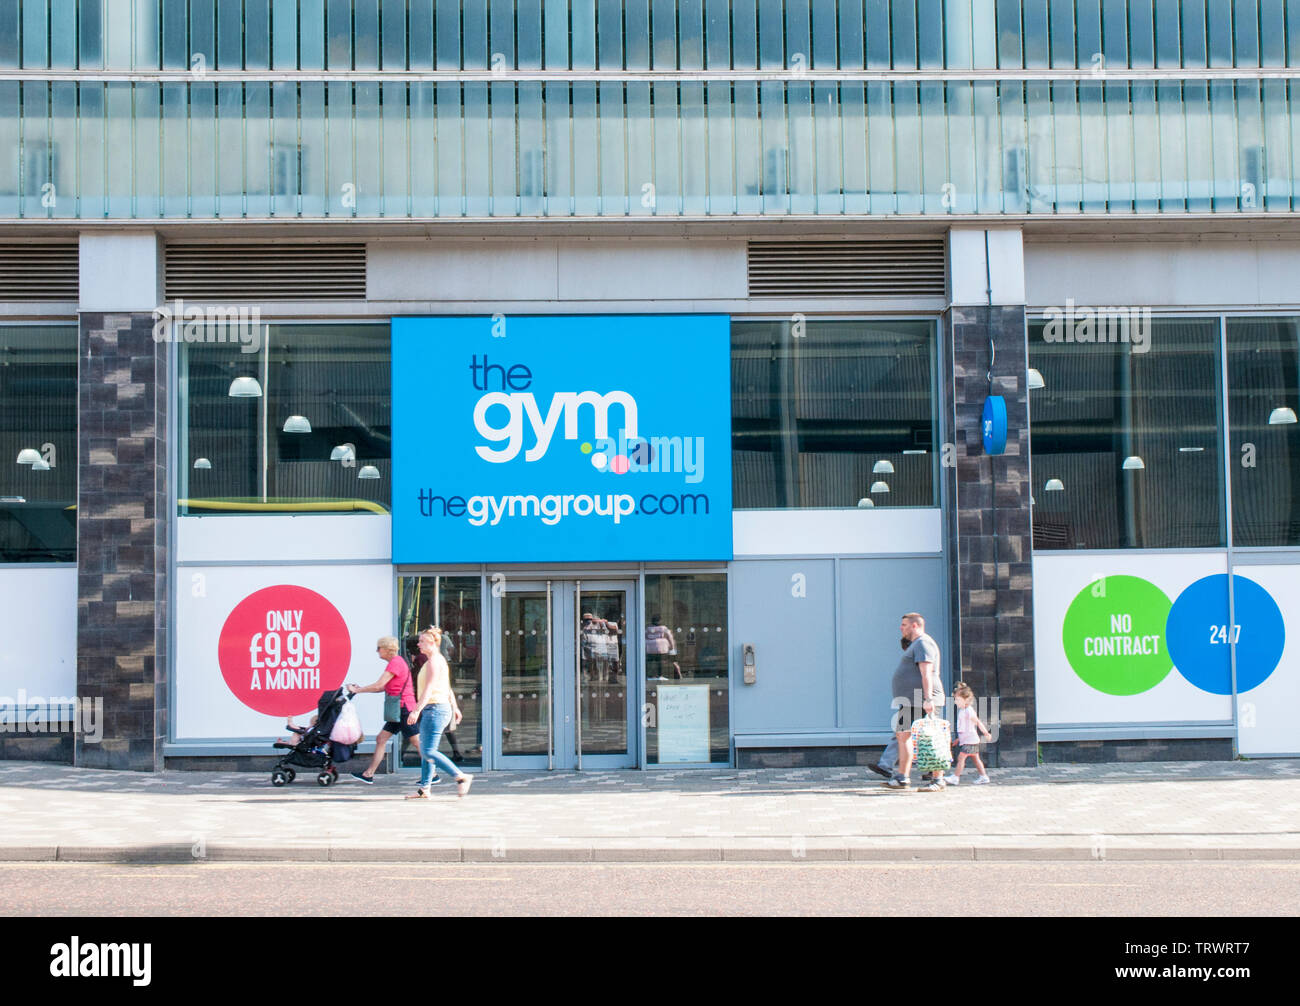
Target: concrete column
{"x":989,"y":525}
{"x":122,"y":500}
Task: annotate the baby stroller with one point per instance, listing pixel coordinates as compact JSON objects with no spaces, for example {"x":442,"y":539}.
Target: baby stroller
{"x":314,"y":748}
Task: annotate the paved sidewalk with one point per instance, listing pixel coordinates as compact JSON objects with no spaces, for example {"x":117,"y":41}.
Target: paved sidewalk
{"x":1183,"y":810}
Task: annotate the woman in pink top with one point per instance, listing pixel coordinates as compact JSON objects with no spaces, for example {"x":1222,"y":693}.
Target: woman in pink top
{"x":433,"y":712}
{"x":395,"y":683}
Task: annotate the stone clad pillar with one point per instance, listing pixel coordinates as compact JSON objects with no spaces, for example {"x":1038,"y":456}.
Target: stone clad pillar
{"x":122,"y":501}
{"x":988,"y":497}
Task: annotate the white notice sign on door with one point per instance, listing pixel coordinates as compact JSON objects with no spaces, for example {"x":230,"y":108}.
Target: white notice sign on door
{"x":683,"y":723}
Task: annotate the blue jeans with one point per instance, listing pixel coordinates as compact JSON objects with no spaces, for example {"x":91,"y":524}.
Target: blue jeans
{"x":433,"y":721}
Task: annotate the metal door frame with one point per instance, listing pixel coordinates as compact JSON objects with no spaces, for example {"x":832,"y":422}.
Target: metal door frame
{"x":564,"y":722}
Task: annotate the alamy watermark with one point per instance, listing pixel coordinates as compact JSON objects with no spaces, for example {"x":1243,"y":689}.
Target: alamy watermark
{"x":987,"y":708}
{"x":33,"y":714}
{"x":1094,"y":325}
{"x":215,"y":323}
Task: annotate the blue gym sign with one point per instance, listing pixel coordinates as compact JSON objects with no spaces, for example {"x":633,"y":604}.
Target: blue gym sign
{"x":994,"y":423}
{"x":561,"y":439}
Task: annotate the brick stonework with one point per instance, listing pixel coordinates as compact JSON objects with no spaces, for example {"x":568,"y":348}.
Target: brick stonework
{"x":820,"y":757}
{"x":984,"y":605}
{"x":1171,"y":749}
{"x":122,"y":538}
{"x":53,"y":747}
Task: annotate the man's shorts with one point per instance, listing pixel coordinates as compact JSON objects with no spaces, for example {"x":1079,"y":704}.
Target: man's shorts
{"x":905,"y":716}
{"x":403,"y":728}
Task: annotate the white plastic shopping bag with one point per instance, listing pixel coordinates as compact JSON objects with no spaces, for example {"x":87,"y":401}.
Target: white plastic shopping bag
{"x":347,"y":728}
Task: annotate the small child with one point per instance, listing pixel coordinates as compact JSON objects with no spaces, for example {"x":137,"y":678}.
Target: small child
{"x":967,"y":739}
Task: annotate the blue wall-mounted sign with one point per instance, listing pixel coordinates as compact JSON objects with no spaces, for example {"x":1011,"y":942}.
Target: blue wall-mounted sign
{"x":561,"y":439}
{"x":995,"y":424}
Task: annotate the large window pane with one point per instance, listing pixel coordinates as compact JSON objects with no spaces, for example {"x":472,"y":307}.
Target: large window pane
{"x":1126,"y":432}
{"x":38,"y":443}
{"x":832,"y":414}
{"x":1263,"y":401}
{"x":686,"y":654}
{"x":307,"y":393}
{"x":455,"y":604}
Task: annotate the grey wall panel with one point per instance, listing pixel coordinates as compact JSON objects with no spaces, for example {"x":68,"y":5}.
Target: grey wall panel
{"x":461,"y":270}
{"x":653,"y":270}
{"x":794,"y":638}
{"x":874,"y":594}
{"x":501,"y":271}
{"x":1162,"y":273}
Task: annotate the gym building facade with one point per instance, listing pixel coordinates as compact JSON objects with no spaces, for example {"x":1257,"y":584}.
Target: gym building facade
{"x":661,"y":351}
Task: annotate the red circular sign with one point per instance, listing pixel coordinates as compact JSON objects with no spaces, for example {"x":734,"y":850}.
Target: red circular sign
{"x":281,"y":647}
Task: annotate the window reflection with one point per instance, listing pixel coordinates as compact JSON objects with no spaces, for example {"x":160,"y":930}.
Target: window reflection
{"x":38,"y":443}
{"x":686,"y":650}
{"x":1127,"y":446}
{"x":832,"y":414}
{"x":1263,"y":403}
{"x":454,"y":603}
{"x":301,"y":425}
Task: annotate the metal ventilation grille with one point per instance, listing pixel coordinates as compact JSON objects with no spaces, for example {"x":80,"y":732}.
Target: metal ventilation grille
{"x":266,"y":271}
{"x":846,"y":268}
{"x":43,"y":271}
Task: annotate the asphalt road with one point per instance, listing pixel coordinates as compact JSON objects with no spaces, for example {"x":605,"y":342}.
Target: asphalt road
{"x":969,"y":889}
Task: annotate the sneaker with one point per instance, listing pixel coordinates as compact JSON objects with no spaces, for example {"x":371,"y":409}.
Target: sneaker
{"x":369,"y":780}
{"x":981,"y":781}
{"x":934,"y":786}
{"x":898,"y":782}
{"x":952,"y":780}
{"x":463,"y":784}
{"x":880,"y":770}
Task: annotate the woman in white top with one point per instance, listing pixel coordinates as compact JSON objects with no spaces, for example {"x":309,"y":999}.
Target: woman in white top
{"x":435,"y":709}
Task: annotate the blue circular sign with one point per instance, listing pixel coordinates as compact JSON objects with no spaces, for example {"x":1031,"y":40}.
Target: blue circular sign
{"x":1199,"y":635}
{"x":995,"y":424}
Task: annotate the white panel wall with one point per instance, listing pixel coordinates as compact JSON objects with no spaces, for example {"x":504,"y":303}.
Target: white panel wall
{"x":1268,"y":713}
{"x":38,"y":624}
{"x":120,"y":271}
{"x":205,"y":707}
{"x":1251,"y":274}
{"x":971,"y":280}
{"x":284,"y":538}
{"x":1065,"y":699}
{"x":837,"y":532}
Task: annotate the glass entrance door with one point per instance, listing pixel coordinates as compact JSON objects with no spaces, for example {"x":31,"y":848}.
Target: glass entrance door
{"x":565,"y":684}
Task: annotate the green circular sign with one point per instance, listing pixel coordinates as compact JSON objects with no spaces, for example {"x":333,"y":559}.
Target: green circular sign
{"x":1114,"y":635}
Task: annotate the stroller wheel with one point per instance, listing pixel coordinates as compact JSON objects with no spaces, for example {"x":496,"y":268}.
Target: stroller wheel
{"x":280,"y":777}
{"x":292,"y":774}
{"x":325,"y":779}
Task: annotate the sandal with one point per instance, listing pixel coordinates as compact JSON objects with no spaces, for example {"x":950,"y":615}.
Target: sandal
{"x":419,"y":794}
